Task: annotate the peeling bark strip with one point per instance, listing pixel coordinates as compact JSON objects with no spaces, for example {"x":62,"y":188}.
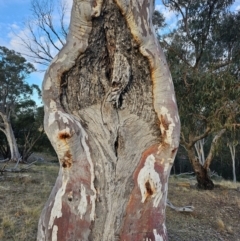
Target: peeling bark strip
{"x":107,"y":95}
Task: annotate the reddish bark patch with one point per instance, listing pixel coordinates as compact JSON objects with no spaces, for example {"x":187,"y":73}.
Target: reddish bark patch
{"x":142,"y":218}
{"x":64,"y":136}
{"x":67,"y":160}
{"x":71,"y":226}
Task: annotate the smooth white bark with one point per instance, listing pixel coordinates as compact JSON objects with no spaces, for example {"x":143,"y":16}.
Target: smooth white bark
{"x":232,"y":148}
{"x":199,"y":147}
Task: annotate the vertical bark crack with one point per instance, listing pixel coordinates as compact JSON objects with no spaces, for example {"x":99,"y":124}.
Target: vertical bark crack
{"x":116,"y":145}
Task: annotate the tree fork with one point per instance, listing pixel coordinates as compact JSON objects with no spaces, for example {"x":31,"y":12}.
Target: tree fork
{"x":203,"y":179}
{"x":111,"y":115}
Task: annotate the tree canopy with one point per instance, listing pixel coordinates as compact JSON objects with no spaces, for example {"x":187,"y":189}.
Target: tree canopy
{"x":14,"y":91}
{"x":14,"y":69}
{"x":203,"y":54}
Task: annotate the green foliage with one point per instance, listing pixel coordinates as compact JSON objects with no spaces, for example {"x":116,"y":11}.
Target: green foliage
{"x":13,"y":71}
{"x":158,"y":20}
{"x":203,"y":55}
{"x":16,"y":106}
{"x":28,"y":129}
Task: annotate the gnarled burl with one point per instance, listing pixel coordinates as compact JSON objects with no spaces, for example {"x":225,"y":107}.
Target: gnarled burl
{"x":111,"y":115}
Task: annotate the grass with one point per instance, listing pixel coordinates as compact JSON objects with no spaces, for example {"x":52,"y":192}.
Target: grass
{"x":22,"y":197}
{"x":216,"y":215}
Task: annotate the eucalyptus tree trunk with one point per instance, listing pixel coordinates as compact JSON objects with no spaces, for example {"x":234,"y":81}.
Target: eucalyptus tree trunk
{"x":8,"y":131}
{"x":200,"y":151}
{"x":202,"y":175}
{"x":201,"y":168}
{"x":232,"y":147}
{"x":111,"y":115}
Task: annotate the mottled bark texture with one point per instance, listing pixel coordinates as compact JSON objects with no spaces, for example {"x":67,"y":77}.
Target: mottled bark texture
{"x":111,"y":115}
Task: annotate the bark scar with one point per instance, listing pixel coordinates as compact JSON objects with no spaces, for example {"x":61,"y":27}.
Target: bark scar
{"x":64,"y":136}
{"x":148,"y":188}
{"x":67,"y":160}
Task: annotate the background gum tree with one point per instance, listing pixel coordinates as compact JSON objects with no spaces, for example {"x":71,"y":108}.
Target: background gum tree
{"x":13,"y":90}
{"x":203,"y":54}
{"x":111,"y":115}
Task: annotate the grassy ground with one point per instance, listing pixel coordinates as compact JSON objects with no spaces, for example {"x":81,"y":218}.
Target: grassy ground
{"x":216,"y":215}
{"x":22,"y":197}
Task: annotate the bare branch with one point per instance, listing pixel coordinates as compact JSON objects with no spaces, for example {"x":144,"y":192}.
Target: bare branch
{"x":45,"y":38}
{"x":177,"y":53}
{"x":62,"y":14}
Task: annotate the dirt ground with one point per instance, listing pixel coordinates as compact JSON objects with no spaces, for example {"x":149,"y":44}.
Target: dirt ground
{"x":216,"y":215}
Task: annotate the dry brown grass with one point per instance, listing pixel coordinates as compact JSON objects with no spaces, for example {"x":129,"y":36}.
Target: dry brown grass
{"x":220,"y":226}
{"x":229,"y":184}
{"x":216,"y":215}
{"x":22,"y":197}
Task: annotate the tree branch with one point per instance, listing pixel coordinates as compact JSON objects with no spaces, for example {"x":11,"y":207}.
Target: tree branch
{"x":197,"y":138}
{"x":213,"y":148}
{"x":177,"y":53}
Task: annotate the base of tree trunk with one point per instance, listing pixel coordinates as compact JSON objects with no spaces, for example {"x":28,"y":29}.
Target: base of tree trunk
{"x":204,"y":181}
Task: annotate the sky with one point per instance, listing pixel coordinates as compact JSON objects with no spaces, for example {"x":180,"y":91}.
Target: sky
{"x":13,"y":13}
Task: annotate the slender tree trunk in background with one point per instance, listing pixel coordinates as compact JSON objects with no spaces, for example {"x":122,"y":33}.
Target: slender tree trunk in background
{"x":111,"y":115}
{"x":232,"y":148}
{"x":8,"y":131}
{"x":200,"y":151}
{"x":213,"y":147}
